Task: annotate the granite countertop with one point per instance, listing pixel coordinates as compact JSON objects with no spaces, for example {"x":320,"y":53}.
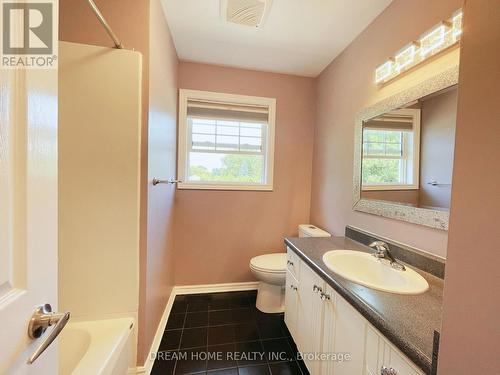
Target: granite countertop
{"x":408,"y":321}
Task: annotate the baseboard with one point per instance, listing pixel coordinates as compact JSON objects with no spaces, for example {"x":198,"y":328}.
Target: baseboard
{"x":149,"y":362}
{"x":181,"y":290}
{"x":215,"y":288}
{"x":139,"y":370}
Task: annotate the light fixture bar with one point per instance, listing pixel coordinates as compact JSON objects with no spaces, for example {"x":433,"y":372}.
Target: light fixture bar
{"x":443,"y":35}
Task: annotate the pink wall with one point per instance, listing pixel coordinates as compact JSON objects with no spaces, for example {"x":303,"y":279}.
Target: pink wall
{"x":471,"y":319}
{"x":157,"y":269}
{"x":344,"y":88}
{"x":217,"y":232}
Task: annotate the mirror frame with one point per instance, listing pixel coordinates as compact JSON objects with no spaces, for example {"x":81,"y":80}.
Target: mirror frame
{"x":416,"y":215}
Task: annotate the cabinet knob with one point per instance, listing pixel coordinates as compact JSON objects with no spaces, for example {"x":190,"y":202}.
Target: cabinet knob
{"x":324,"y":296}
{"x":289,"y":262}
{"x":317,"y":289}
{"x":388,"y":371}
{"x":293,"y":287}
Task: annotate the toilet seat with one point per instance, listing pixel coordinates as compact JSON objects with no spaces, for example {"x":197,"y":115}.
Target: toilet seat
{"x":269,"y":263}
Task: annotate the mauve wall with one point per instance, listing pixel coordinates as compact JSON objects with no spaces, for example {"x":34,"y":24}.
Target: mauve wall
{"x":344,"y":88}
{"x":471,"y":319}
{"x":217,"y":232}
{"x":157,"y":273}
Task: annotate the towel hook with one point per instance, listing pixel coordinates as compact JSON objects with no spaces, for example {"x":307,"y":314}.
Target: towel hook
{"x":156,"y":181}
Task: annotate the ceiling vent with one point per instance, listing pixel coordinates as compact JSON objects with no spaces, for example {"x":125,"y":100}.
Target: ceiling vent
{"x":245,"y":12}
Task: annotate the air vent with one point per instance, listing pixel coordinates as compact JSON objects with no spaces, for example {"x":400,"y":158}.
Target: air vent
{"x":245,"y":12}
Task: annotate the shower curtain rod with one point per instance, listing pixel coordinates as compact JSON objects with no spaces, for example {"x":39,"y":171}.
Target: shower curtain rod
{"x":103,"y":22}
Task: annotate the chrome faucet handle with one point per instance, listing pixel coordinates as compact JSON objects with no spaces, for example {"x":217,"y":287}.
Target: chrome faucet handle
{"x":379,"y":245}
{"x":42,"y":318}
{"x":381,"y":249}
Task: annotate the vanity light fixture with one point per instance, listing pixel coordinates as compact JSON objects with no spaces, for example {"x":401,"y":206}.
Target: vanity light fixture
{"x":384,"y":71}
{"x":440,"y":37}
{"x":406,"y":57}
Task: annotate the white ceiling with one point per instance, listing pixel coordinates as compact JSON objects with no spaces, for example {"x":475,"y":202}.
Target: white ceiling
{"x":299,"y":36}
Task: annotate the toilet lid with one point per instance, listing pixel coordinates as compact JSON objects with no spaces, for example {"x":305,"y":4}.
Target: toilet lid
{"x":270,"y":262}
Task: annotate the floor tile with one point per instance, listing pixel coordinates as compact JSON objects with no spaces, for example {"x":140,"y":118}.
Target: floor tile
{"x":242,"y":315}
{"x":250,"y":353}
{"x":285,"y":368}
{"x":179,"y":306}
{"x":224,"y":333}
{"x":196,"y":319}
{"x":229,"y":371}
{"x":303,"y":367}
{"x":161,"y":367}
{"x":246,"y":332}
{"x":270,"y":331}
{"x":170,"y":340}
{"x":220,"y":317}
{"x":219,"y":304}
{"x":278,"y":350}
{"x":193,"y":298}
{"x":175,"y":321}
{"x":239,"y":302}
{"x":221,"y":335}
{"x":197,"y":306}
{"x":221,"y":357}
{"x":264,"y":318}
{"x":194,"y":337}
{"x":254,"y":370}
{"x":285,"y":330}
{"x":192,"y":361}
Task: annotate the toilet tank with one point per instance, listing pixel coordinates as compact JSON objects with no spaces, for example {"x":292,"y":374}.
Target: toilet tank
{"x":308,"y":230}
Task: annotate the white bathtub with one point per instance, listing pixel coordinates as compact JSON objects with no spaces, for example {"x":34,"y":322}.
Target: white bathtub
{"x":97,"y":347}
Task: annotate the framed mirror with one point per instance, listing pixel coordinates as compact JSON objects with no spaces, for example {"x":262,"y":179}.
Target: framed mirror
{"x":404,"y":148}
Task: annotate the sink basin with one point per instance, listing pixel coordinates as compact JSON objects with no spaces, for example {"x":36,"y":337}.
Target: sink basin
{"x":363,"y":268}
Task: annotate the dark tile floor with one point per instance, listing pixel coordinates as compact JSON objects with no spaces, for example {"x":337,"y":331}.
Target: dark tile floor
{"x":224,"y":334}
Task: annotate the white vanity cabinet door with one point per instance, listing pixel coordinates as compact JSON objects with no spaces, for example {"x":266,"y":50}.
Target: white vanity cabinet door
{"x":400,"y":363}
{"x":328,"y":339}
{"x":293,"y":263}
{"x":349,"y":337}
{"x":379,"y":353}
{"x":310,"y":316}
{"x":374,"y":352}
{"x":291,"y":304}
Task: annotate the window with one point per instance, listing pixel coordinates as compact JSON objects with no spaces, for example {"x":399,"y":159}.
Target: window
{"x":391,"y":151}
{"x":226,"y":142}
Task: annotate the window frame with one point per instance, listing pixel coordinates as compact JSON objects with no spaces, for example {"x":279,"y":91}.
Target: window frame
{"x":185,"y":132}
{"x":416,"y":114}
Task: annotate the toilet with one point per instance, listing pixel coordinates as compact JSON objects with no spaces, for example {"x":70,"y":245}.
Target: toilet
{"x":270,"y":270}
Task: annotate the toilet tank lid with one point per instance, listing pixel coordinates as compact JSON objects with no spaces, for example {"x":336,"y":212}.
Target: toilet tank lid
{"x":309,"y":230}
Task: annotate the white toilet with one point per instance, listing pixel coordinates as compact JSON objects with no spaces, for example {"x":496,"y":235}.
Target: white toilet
{"x":270,"y":270}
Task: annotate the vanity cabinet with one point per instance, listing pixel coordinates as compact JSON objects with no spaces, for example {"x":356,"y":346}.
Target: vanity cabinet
{"x":323,"y":322}
{"x":379,"y":353}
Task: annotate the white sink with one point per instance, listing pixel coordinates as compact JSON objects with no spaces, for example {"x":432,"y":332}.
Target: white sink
{"x":363,"y":268}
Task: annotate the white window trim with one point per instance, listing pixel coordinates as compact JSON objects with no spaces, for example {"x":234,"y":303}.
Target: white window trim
{"x":183,"y":147}
{"x":415,"y":113}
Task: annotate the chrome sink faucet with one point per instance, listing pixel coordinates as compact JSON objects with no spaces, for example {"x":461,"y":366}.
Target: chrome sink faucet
{"x":383,"y":252}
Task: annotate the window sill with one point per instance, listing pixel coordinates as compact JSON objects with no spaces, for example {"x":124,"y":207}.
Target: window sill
{"x":389,"y":187}
{"x":191,"y":186}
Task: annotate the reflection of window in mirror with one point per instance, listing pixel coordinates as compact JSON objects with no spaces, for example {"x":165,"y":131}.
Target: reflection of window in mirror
{"x":391,"y":144}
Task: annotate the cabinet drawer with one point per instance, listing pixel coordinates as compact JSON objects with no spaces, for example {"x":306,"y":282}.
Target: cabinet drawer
{"x":293,"y":263}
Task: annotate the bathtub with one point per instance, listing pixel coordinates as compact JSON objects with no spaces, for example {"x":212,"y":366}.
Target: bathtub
{"x":97,"y":347}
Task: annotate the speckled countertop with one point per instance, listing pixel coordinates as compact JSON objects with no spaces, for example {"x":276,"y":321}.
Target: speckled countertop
{"x":408,"y":321}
